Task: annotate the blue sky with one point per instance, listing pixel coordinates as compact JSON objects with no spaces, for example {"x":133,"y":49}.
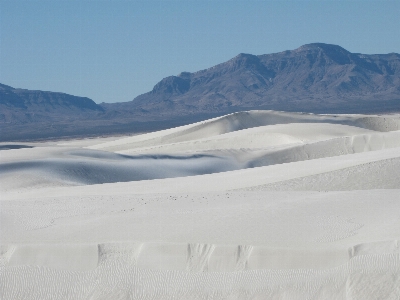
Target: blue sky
{"x":112,"y":51}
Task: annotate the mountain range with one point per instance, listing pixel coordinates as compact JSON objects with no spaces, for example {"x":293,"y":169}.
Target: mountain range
{"x":314,"y":78}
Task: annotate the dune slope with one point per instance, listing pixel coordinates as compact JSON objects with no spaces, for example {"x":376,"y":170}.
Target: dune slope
{"x":253,"y":205}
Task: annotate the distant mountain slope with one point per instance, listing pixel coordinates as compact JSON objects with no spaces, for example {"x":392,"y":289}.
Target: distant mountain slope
{"x":25,"y":106}
{"x":314,"y":78}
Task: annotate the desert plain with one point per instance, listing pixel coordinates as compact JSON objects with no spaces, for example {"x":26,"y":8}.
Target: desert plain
{"x":251,"y":205}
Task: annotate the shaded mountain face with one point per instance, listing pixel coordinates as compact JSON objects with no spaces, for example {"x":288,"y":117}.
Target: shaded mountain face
{"x":26,"y":106}
{"x":313,"y":78}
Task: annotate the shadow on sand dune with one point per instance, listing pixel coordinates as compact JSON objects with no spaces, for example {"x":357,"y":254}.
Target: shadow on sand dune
{"x":12,"y":147}
{"x":96,"y":167}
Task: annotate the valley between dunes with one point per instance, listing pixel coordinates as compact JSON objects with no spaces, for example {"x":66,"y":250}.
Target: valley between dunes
{"x":251,"y":205}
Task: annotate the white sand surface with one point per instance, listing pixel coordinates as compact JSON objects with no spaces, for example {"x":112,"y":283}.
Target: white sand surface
{"x":253,"y":205}
{"x":244,"y":120}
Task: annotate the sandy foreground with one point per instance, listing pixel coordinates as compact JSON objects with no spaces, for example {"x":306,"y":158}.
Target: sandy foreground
{"x":252,"y":205}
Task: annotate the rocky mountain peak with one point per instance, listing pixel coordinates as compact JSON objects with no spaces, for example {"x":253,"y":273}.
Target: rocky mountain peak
{"x":172,"y":85}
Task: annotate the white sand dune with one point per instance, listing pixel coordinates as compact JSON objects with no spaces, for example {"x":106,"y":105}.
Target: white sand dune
{"x":255,"y":147}
{"x":244,"y":241}
{"x":257,"y":138}
{"x":238,"y":179}
{"x":82,"y":167}
{"x":245,"y":120}
{"x":253,"y":205}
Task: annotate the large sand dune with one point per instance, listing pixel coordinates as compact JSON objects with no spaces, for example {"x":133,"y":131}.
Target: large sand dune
{"x":253,"y":205}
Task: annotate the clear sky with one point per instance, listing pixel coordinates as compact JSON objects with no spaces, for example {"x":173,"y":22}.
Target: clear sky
{"x":112,"y":51}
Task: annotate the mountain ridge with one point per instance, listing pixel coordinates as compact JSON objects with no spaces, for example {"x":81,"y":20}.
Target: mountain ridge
{"x":314,"y":78}
{"x":20,"y":106}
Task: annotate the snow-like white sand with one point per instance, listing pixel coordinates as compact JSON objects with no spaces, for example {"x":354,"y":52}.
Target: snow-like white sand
{"x":253,"y":205}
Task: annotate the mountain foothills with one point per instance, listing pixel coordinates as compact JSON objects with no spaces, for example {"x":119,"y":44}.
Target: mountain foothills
{"x":315,"y":78}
